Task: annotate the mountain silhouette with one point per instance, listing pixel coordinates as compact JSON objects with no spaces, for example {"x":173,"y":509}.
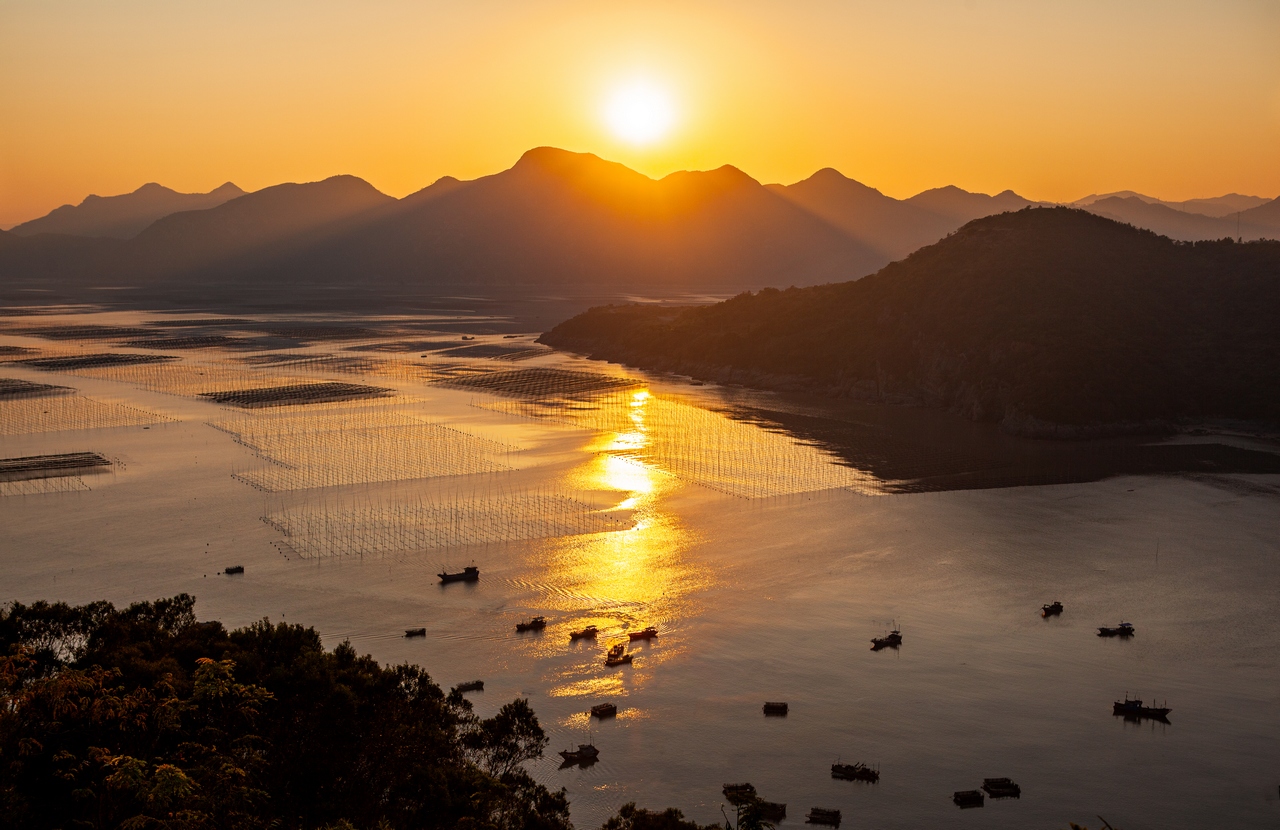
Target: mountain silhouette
{"x":1217,"y":206}
{"x":555,"y":218}
{"x":892,"y":227}
{"x":1265,"y":216}
{"x":1052,"y":321}
{"x":254,"y":231}
{"x":1262,"y":222}
{"x":558,"y":218}
{"x":124,"y":216}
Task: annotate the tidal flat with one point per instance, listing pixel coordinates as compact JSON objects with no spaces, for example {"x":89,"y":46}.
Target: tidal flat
{"x":766,"y":552}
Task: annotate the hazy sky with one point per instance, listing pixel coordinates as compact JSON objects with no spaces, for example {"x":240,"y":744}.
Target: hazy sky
{"x":1175,"y":98}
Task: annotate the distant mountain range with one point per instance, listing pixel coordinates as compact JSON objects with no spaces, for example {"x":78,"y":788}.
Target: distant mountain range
{"x":124,"y":217}
{"x":1051,"y":321}
{"x":1216,"y":207}
{"x":554,"y":219}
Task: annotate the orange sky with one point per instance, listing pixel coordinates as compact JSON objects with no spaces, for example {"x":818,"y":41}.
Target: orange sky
{"x":1056,"y":100}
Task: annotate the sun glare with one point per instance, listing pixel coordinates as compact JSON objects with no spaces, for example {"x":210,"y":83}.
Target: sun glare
{"x":639,"y":112}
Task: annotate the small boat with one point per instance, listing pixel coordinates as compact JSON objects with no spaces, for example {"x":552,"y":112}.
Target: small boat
{"x":587,"y":633}
{"x":1134,"y":710}
{"x":771,"y":810}
{"x":415,"y":632}
{"x":1001,"y":788}
{"x":584,"y":753}
{"x":468,"y":574}
{"x":234,"y":569}
{"x":891,"y":640}
{"x":855,"y":772}
{"x":535,"y":624}
{"x":473,"y":686}
{"x":619,"y":659}
{"x":467,"y":337}
{"x":1053,"y":609}
{"x":820,"y":816}
{"x":1124,"y":629}
{"x":965,"y":799}
{"x":647,"y":634}
{"x":604,"y":710}
{"x":739,"y":794}
{"x":775,"y":707}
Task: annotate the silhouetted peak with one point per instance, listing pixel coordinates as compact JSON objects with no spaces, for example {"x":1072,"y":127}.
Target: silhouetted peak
{"x":227,"y":188}
{"x":154,"y":189}
{"x":725,"y":177}
{"x":829,"y":177}
{"x":553,"y":158}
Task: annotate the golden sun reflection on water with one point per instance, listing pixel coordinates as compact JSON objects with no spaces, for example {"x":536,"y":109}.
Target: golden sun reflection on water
{"x":625,"y":580}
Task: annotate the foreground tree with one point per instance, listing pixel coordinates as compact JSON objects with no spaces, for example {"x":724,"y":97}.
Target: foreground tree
{"x":144,"y":717}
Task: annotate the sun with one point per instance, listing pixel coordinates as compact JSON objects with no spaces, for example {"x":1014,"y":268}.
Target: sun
{"x":639,"y":112}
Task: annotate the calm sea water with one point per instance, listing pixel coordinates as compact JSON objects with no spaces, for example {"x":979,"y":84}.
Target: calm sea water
{"x":767,"y":598}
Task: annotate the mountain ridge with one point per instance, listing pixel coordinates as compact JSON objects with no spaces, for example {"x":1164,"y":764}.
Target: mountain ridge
{"x":554,"y":218}
{"x":126,"y":215}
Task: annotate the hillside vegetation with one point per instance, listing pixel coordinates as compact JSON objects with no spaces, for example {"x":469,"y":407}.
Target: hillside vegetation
{"x":1052,"y":321}
{"x":144,"y":717}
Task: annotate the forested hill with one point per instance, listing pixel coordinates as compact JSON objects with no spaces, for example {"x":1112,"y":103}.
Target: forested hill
{"x":1053,"y":321}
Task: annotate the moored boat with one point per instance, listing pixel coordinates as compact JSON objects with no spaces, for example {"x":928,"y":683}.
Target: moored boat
{"x":645,"y":634}
{"x":468,"y":574}
{"x":1134,"y":710}
{"x":967,"y":798}
{"x":619,"y":659}
{"x":1001,"y":788}
{"x":584,"y":752}
{"x":415,"y":632}
{"x":738,"y":794}
{"x":776,"y":707}
{"x":891,"y":640}
{"x":234,"y":569}
{"x":1051,"y":610}
{"x":587,"y":633}
{"x":604,"y":710}
{"x":535,"y":624}
{"x":1124,"y":629}
{"x":818,"y":815}
{"x":472,"y":686}
{"x":771,"y":810}
{"x":855,"y":772}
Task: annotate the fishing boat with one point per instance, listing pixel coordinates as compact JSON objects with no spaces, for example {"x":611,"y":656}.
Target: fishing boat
{"x":587,"y":633}
{"x":234,"y":569}
{"x":619,"y":659}
{"x":854,"y":772}
{"x":647,"y":634}
{"x":891,"y":640}
{"x":415,"y":632}
{"x":1053,"y":609}
{"x":1001,"y":788}
{"x":1134,"y":710}
{"x":604,"y":710}
{"x":468,"y":574}
{"x":771,"y":810}
{"x":472,"y":686}
{"x":739,"y":794}
{"x":965,"y":799}
{"x":583,"y":754}
{"x":775,"y":707}
{"x":1124,"y":629}
{"x":818,"y":815}
{"x":535,"y":624}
